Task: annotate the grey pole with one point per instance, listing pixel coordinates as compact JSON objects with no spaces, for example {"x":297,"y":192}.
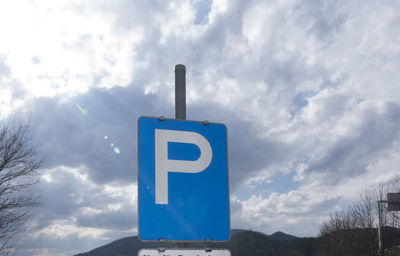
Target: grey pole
{"x":180,"y":92}
{"x":180,"y":103}
{"x":380,"y":229}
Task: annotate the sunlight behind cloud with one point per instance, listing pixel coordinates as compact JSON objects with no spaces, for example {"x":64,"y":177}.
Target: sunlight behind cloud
{"x":53,"y":50}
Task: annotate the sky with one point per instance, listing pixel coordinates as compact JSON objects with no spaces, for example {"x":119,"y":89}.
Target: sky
{"x":309,"y":91}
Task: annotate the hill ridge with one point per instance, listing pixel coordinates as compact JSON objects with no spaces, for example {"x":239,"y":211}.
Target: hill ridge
{"x":279,"y":235}
{"x":242,"y":241}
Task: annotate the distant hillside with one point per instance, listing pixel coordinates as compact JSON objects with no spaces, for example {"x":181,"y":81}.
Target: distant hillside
{"x":242,"y":243}
{"x":245,"y":242}
{"x":282,"y":236}
{"x":258,"y":244}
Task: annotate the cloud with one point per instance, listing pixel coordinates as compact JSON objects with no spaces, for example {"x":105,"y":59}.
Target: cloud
{"x":76,"y":212}
{"x":97,"y":130}
{"x":296,"y":212}
{"x":4,"y":68}
{"x":356,"y":139}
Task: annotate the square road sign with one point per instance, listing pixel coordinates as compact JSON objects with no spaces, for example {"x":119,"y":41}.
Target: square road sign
{"x":183,"y":186}
{"x":393,"y":200}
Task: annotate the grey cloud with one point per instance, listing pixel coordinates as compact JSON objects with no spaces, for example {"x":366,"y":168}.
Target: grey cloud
{"x":326,"y":18}
{"x":248,"y":151}
{"x":63,"y":197}
{"x":73,"y":138}
{"x":368,"y":142}
{"x":202,"y":10}
{"x":73,"y":133}
{"x":121,"y":219}
{"x":66,"y":196}
{"x":48,"y":244}
{"x":60,"y":196}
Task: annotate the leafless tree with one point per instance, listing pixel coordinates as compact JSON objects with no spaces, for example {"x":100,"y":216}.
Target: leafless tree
{"x":354,"y":230}
{"x":18,"y":169}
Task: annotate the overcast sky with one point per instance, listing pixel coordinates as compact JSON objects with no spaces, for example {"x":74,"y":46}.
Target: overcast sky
{"x":309,"y":91}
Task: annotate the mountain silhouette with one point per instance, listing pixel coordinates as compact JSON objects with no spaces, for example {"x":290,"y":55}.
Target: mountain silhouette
{"x":282,"y":236}
{"x":242,"y":243}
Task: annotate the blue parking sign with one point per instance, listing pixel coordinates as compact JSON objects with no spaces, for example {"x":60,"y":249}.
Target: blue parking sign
{"x":183,"y":186}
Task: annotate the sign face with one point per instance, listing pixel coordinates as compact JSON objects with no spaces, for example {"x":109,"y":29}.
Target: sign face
{"x":183,"y":252}
{"x":183,"y":184}
{"x":393,"y":201}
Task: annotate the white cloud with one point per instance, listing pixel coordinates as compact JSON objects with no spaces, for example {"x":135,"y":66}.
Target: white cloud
{"x":60,"y":230}
{"x":298,"y":212}
{"x":73,"y":207}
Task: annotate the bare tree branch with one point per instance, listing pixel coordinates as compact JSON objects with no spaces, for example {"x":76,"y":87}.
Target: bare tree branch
{"x":354,"y":230}
{"x":18,"y":170}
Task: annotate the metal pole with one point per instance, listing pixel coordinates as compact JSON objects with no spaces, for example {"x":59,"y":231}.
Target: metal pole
{"x":380,"y":229}
{"x":180,"y":105}
{"x":180,"y":92}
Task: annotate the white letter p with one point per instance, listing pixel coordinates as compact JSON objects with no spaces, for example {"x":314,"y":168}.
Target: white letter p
{"x":163,"y":165}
